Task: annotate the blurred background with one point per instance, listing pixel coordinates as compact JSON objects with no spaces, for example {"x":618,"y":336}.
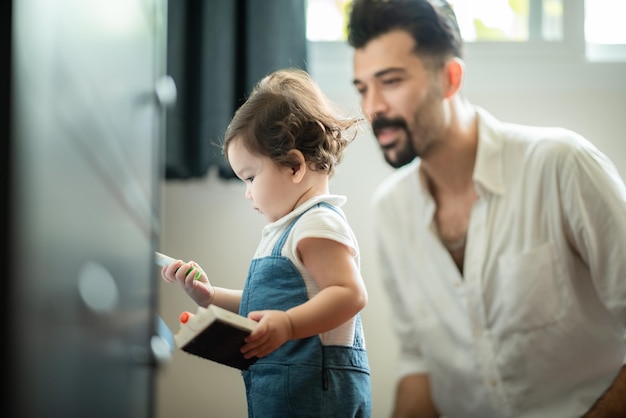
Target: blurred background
{"x":549,"y":63}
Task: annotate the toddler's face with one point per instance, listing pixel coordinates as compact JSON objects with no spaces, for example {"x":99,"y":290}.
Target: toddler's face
{"x":268,"y":185}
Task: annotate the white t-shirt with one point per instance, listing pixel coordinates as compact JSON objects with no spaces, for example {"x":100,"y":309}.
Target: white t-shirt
{"x":320,"y":222}
{"x":536,"y":326}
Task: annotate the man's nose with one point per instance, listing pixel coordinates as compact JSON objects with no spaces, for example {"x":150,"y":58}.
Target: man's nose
{"x":373,"y":104}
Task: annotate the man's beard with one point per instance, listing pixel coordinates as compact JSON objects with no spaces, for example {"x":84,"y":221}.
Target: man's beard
{"x":402,"y":156}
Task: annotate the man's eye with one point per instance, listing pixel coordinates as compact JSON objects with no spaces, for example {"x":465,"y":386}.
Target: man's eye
{"x":391,"y":81}
{"x":249,"y":179}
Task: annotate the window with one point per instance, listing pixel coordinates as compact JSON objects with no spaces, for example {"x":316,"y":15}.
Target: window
{"x":509,"y":20}
{"x":593,"y":25}
{"x":605,"y":32}
{"x":325,"y":20}
{"x":604,"y":22}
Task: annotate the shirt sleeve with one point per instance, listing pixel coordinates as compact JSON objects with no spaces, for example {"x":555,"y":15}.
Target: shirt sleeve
{"x":389,"y":247}
{"x":325,"y":223}
{"x":595,"y":206}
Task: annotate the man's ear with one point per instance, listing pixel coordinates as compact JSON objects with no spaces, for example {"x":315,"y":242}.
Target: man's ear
{"x":453,"y":72}
{"x":298,"y":168}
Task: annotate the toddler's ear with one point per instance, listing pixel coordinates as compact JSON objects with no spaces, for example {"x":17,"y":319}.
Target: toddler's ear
{"x":298,"y":168}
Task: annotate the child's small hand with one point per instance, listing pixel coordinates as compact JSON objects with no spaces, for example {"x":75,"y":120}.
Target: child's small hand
{"x":191,"y":277}
{"x":168,"y":273}
{"x":273,"y":331}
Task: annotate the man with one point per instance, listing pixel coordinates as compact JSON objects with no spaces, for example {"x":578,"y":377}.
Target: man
{"x":503,"y":247}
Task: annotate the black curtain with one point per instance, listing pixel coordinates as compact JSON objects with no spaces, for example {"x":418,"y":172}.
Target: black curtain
{"x":217,"y":51}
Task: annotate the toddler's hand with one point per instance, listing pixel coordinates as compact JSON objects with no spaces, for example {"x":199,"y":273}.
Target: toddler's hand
{"x":273,"y":331}
{"x":192,"y":279}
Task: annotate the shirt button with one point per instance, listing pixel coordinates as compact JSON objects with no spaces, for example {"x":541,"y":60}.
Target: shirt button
{"x":493,"y":383}
{"x":478,"y":332}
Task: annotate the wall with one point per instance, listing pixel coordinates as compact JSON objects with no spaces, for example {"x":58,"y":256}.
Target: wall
{"x":211,"y":222}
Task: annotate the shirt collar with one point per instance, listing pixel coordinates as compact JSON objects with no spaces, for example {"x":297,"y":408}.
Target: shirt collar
{"x":488,"y":168}
{"x":336,"y":200}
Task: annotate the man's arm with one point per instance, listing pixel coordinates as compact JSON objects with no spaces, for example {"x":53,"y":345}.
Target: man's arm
{"x":413,"y":398}
{"x":613,"y":402}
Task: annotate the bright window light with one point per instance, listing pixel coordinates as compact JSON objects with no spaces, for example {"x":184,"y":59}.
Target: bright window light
{"x":325,"y":20}
{"x":496,"y":21}
{"x":604,"y":21}
{"x":491,"y":20}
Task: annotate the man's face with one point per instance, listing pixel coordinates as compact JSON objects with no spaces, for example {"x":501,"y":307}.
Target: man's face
{"x":400,"y":96}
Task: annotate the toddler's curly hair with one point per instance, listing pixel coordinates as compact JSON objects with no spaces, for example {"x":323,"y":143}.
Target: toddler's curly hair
{"x":287,"y":110}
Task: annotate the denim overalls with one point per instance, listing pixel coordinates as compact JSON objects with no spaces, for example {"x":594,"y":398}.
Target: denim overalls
{"x":303,"y":378}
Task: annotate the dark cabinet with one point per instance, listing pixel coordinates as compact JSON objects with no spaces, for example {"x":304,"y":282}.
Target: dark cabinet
{"x":82,"y":171}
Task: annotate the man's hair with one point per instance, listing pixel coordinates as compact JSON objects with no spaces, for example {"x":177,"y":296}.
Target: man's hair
{"x":431,"y":23}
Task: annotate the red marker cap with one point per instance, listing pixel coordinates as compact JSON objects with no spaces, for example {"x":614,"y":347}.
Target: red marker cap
{"x":184,"y":317}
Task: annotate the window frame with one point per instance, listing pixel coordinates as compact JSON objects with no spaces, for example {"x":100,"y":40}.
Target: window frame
{"x":573,"y":45}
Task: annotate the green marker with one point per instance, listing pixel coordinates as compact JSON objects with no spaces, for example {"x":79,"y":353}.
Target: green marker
{"x":165,"y":260}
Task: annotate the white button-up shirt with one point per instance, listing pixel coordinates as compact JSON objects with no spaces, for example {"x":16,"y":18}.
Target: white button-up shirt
{"x":536,"y":325}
